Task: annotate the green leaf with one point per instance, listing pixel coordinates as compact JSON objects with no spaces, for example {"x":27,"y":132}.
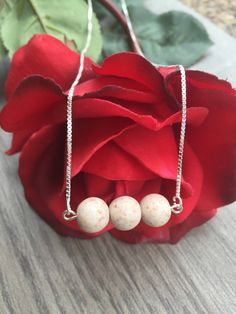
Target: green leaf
{"x":170,"y":38}
{"x":66,"y":20}
{"x":5,"y":7}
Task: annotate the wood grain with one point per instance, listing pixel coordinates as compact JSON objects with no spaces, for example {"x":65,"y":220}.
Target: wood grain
{"x":41,"y":272}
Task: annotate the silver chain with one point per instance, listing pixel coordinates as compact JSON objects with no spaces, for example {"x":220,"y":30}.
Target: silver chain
{"x":177,"y":207}
{"x":69,"y":211}
{"x":130,"y":26}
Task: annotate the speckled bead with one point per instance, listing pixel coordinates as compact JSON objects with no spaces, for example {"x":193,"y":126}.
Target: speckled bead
{"x":156,"y":210}
{"x":125,"y":213}
{"x":93,"y":214}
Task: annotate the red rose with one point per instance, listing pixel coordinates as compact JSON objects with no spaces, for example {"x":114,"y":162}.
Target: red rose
{"x":126,"y":133}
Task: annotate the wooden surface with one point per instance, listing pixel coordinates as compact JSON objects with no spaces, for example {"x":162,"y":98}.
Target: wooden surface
{"x":41,"y":272}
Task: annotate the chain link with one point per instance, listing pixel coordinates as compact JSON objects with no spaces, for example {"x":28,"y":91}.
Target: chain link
{"x":182,"y":130}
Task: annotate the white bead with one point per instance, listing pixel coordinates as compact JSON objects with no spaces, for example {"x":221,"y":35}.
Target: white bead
{"x":92,"y":214}
{"x":155,"y":209}
{"x":125,"y":213}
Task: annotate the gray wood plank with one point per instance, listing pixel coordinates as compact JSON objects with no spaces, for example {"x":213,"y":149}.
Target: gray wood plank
{"x":41,"y":272}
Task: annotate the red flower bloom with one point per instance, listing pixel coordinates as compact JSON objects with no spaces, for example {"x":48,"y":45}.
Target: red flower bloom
{"x":126,"y":133}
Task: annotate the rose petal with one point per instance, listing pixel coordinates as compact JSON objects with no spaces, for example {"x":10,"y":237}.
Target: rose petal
{"x":31,"y":106}
{"x":136,"y":100}
{"x":92,"y":107}
{"x":100,"y":82}
{"x":43,"y":55}
{"x":203,"y":80}
{"x":89,"y":135}
{"x":98,"y":186}
{"x":165,"y":71}
{"x":134,"y":67}
{"x":18,"y":141}
{"x":195,"y":219}
{"x":42,"y":102}
{"x":157,"y":151}
{"x":113,"y":163}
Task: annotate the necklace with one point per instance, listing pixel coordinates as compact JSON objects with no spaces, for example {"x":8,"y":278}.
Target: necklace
{"x":125,"y":212}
